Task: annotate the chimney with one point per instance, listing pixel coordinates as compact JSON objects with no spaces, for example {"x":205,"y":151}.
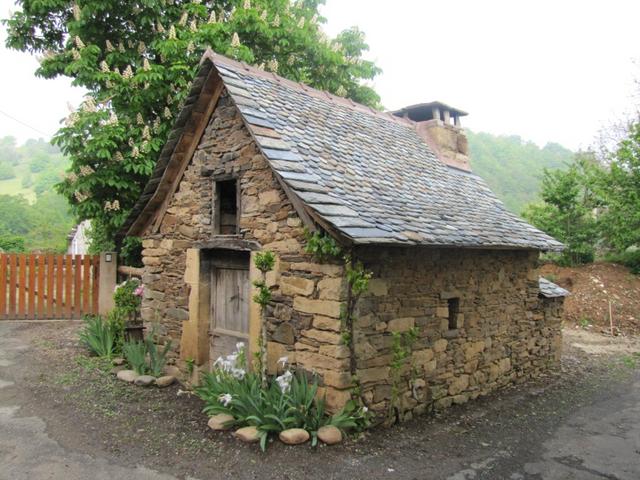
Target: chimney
{"x":439,"y":126}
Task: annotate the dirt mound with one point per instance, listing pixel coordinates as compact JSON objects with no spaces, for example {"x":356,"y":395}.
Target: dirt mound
{"x":592,"y":287}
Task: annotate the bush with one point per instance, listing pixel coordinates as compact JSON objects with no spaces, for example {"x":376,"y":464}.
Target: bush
{"x":100,"y":336}
{"x":128,"y":296}
{"x":12,"y":243}
{"x":6,"y":171}
{"x":630,"y":259}
{"x":287,"y":401}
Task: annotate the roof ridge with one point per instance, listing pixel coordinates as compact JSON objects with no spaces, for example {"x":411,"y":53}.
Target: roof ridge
{"x":309,"y":90}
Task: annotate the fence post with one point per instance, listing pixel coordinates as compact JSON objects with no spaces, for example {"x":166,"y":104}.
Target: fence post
{"x":108,"y":278}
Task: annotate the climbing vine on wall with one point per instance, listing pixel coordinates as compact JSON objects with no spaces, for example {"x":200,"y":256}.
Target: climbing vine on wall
{"x":324,"y":248}
{"x":401,"y":347}
{"x":264,"y":262}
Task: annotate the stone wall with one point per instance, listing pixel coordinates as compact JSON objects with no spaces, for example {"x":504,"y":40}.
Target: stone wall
{"x":303,"y":319}
{"x":503,"y":331}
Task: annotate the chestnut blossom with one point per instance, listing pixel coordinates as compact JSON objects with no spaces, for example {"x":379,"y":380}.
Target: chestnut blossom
{"x":235,"y":40}
{"x":128,"y":72}
{"x":273,"y":65}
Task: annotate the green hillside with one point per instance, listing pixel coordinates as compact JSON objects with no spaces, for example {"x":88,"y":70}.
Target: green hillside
{"x":512,"y":166}
{"x":32,"y":215}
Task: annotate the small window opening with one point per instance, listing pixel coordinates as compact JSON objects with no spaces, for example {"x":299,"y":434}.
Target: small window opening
{"x":226,"y":207}
{"x":454,"y":310}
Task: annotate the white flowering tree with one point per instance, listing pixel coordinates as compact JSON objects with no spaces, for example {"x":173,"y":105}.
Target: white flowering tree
{"x":136,"y":59}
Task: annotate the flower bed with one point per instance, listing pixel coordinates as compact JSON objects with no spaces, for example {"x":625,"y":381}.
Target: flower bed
{"x":287,"y":405}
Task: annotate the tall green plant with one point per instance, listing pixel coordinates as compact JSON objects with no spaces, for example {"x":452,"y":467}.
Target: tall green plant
{"x":567,"y":212}
{"x":264,"y":262}
{"x":620,"y":220}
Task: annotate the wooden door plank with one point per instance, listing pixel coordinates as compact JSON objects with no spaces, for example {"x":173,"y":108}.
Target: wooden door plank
{"x":59,"y":286}
{"x":50,"y":299}
{"x":13,"y":275}
{"x":77,"y":297}
{"x":3,"y":285}
{"x":245,"y":292}
{"x":31,"y":289}
{"x":40,"y":292}
{"x":22,"y":285}
{"x":86,"y":284}
{"x":68,"y":286}
{"x":95,"y":284}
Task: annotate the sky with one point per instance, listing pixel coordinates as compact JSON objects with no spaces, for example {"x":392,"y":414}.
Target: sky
{"x":549,"y":71}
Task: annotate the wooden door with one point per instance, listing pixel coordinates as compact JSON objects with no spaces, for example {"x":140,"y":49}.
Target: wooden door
{"x":230,"y":297}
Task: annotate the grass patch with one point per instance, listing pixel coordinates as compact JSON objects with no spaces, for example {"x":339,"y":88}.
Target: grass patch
{"x":91,"y":364}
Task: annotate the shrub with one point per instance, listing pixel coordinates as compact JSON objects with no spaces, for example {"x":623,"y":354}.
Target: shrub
{"x":99,"y":336}
{"x":629,"y":258}
{"x":128,"y":296}
{"x":286,"y":401}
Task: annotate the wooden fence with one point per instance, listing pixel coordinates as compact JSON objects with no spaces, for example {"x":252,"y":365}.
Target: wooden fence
{"x":45,"y":286}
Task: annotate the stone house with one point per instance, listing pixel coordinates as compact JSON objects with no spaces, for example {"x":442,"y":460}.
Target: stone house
{"x":255,"y":159}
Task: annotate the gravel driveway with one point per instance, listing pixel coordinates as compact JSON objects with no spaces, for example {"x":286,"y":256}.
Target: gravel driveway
{"x":63,"y":418}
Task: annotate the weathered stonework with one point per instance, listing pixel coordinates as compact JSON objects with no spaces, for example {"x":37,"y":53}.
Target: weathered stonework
{"x":304,"y":316}
{"x":501,"y":330}
{"x":504,"y":331}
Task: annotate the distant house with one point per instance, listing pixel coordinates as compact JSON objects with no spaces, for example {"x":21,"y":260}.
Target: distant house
{"x":255,"y":158}
{"x":77,"y":238}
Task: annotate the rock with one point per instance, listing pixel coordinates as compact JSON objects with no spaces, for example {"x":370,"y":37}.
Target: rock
{"x":127,"y":375}
{"x":329,"y":434}
{"x":294,"y":436}
{"x":328,"y":308}
{"x":220,"y":421}
{"x":284,"y":334}
{"x":171,"y":370}
{"x":296,"y":286}
{"x":144,"y":380}
{"x":118,"y":361}
{"x":165,"y":381}
{"x":247,"y":434}
{"x":401,"y":324}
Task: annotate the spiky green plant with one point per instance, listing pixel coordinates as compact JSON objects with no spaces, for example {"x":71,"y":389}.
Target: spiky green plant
{"x":136,"y":355}
{"x":98,"y":336}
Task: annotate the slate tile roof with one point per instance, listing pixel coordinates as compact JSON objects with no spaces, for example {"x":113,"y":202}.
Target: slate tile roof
{"x":551,"y":290}
{"x":365,"y":173}
{"x":369,"y":174}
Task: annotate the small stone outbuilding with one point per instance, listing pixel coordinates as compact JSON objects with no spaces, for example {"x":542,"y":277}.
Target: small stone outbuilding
{"x":255,"y":160}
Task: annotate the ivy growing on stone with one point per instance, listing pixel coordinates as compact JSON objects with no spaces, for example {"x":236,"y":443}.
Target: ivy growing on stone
{"x":357,"y":283}
{"x":401,"y":347}
{"x":321,"y":246}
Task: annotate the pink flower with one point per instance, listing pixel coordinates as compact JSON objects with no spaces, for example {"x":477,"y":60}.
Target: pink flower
{"x":139,"y":291}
